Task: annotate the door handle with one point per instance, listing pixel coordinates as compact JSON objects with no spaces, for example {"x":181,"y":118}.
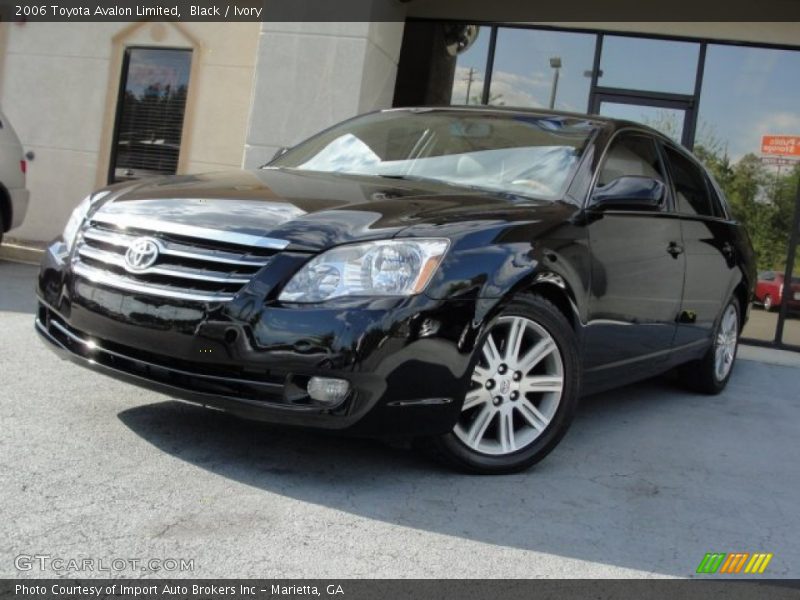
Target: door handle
{"x":675,"y":249}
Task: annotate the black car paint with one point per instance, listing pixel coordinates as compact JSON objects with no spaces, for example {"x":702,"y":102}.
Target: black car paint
{"x":409,"y":360}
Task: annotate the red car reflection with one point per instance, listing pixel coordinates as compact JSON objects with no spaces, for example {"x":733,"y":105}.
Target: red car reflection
{"x":770,"y":290}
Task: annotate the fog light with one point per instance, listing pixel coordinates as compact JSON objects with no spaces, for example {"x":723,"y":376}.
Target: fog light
{"x":328,"y":390}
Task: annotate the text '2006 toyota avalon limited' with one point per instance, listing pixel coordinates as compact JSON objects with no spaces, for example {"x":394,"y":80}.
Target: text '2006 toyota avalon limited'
{"x":456,"y":276}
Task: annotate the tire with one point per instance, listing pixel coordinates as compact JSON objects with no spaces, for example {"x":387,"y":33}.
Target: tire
{"x":505,"y":426}
{"x":768,"y":305}
{"x":2,"y":227}
{"x":707,"y":375}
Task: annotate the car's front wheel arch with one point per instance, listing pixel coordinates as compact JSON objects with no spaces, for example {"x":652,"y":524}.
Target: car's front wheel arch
{"x":5,"y":210}
{"x":546,"y":397}
{"x":705,"y":375}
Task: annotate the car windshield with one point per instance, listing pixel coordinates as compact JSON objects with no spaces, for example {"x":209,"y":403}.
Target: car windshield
{"x":528,"y":155}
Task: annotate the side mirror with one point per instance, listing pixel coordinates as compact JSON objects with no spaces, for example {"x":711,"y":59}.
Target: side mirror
{"x":629,"y":193}
{"x":279,"y":152}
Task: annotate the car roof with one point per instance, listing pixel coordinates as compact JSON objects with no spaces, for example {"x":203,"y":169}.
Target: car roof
{"x":608,"y":123}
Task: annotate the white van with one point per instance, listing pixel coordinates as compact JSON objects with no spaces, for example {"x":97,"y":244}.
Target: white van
{"x":13,"y":195}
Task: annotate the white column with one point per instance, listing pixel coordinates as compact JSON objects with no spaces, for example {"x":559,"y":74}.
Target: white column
{"x":310,"y":75}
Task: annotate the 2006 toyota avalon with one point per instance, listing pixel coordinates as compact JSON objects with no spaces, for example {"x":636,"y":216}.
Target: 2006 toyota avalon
{"x":455,"y":276}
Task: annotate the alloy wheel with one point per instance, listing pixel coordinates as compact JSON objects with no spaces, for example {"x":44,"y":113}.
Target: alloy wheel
{"x":516,"y":388}
{"x":725,"y":343}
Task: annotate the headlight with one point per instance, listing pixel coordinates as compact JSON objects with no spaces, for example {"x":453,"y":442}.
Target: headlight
{"x":77,"y":217}
{"x":384,"y":268}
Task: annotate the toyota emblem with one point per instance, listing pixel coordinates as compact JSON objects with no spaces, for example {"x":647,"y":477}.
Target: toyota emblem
{"x":142,"y":254}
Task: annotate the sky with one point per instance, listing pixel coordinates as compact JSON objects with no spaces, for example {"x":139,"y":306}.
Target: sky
{"x":746,"y":92}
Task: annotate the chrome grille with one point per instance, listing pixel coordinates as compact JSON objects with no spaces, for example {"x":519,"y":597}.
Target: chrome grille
{"x":192,"y":264}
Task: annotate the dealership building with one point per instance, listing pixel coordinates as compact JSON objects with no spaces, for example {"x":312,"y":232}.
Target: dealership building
{"x":215,"y":96}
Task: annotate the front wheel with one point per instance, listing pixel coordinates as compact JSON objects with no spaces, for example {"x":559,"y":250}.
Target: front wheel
{"x":523,"y":391}
{"x":710,"y":374}
{"x":768,"y":303}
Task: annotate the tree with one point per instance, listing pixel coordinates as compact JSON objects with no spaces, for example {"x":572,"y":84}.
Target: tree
{"x":763,"y":201}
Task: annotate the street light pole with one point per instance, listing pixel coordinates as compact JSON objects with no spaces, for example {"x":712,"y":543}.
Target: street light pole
{"x":555,"y":63}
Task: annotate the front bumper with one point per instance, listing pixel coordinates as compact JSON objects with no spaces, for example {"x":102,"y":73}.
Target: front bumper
{"x":407,"y":361}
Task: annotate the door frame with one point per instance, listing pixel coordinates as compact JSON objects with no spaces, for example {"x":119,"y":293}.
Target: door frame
{"x":654,"y":99}
{"x":794,"y":246}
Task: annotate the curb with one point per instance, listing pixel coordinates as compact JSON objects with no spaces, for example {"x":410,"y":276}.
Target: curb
{"x":21,"y":253}
{"x":770,"y":356}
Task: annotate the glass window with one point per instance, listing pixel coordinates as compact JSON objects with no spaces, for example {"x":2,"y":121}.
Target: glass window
{"x":150,"y":116}
{"x":532,"y":67}
{"x":631,"y":155}
{"x":470,"y":72}
{"x":714,"y":197}
{"x":718,"y":198}
{"x":647,"y":64}
{"x":668,"y":121}
{"x":748,"y":93}
{"x":690,"y":186}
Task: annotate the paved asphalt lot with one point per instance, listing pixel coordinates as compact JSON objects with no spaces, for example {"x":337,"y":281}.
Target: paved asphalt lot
{"x":648,"y":480}
{"x":761,"y":326}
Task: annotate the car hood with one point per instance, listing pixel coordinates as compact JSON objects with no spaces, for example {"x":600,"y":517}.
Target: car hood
{"x":311,"y":210}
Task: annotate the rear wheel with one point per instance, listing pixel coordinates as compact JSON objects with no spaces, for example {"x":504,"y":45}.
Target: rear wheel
{"x":710,"y":374}
{"x":768,"y":305}
{"x":523,"y":392}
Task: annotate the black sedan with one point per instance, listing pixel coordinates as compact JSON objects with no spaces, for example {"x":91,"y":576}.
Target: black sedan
{"x":455,"y":276}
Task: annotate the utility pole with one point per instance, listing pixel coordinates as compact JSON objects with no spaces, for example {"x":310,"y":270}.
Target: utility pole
{"x":470,"y":79}
{"x":555,"y":64}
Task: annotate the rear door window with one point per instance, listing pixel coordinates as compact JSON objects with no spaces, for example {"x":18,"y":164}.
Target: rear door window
{"x":692,"y":194}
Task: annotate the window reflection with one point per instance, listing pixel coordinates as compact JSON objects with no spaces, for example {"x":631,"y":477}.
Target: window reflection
{"x":523,"y":75}
{"x":515,"y":154}
{"x":471,"y":71}
{"x":346,"y":154}
{"x":668,"y":121}
{"x":749,"y":93}
{"x":150,"y":117}
{"x":647,"y":64}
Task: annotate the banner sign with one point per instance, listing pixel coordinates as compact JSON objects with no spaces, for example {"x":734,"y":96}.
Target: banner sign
{"x":781,"y":145}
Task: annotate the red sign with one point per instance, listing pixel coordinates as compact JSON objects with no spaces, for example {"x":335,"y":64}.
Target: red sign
{"x":780,"y":145}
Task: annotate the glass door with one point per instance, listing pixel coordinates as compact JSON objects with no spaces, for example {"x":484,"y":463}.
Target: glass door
{"x":670,"y":117}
